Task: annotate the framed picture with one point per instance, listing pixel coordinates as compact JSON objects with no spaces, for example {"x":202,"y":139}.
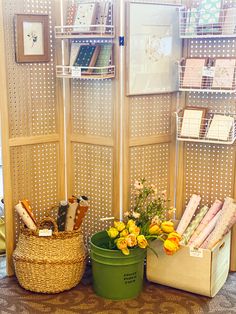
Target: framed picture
{"x":193,"y":122}
{"x":154,"y":47}
{"x":31,"y":38}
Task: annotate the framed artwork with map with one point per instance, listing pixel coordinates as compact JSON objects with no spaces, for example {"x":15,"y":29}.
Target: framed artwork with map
{"x":154,"y":47}
{"x":32,"y":38}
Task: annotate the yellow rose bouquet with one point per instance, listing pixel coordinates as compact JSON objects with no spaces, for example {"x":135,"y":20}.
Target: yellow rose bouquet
{"x":149,"y":219}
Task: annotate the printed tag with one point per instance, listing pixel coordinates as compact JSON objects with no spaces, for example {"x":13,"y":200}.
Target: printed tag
{"x":208,"y":71}
{"x":195,"y":252}
{"x":45,"y":233}
{"x":76,"y":71}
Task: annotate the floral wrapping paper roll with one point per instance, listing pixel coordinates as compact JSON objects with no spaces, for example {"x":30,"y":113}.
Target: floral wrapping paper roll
{"x":25,"y":217}
{"x":205,"y":232}
{"x":194,"y":224}
{"x":61,"y":215}
{"x":216,"y":206}
{"x":188,"y":213}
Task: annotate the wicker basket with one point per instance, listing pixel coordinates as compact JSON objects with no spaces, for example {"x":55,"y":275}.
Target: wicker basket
{"x":49,"y":264}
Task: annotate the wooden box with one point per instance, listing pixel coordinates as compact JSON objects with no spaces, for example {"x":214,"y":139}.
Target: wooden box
{"x":199,"y":271}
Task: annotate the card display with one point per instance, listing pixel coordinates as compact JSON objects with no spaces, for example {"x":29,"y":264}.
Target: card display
{"x":224,"y":77}
{"x":220,"y":127}
{"x":193,"y":73}
{"x":229,"y":25}
{"x":209,"y":16}
{"x":87,"y":56}
{"x":192,"y":123}
{"x":102,"y":14}
{"x":74,"y":52}
{"x":104,"y":57}
{"x":85,"y":17}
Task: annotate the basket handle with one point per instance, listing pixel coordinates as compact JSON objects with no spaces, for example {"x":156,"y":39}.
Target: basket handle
{"x":48,"y":219}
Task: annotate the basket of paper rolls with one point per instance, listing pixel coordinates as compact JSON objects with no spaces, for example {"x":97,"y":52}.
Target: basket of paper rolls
{"x":50,"y":255}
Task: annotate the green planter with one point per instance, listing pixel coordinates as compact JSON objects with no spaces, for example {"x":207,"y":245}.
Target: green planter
{"x":115,"y":276}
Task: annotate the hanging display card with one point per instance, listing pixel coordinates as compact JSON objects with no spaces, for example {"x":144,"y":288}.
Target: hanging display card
{"x":192,"y":122}
{"x":102,"y":14}
{"x":104,"y":57}
{"x":209,"y":16}
{"x":224,"y":77}
{"x":85,"y":17}
{"x":87,"y":57}
{"x":229,"y":25}
{"x":193,"y":72}
{"x":220,"y":127}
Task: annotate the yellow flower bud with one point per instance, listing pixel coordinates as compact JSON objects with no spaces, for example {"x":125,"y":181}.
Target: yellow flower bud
{"x":113,"y":232}
{"x":142,"y":242}
{"x":134,"y":229}
{"x":130,"y":223}
{"x":124,"y":233}
{"x":170,"y":247}
{"x":125,"y":251}
{"x":119,"y":225}
{"x":167,"y":226}
{"x":155,"y":229}
{"x":121,"y":243}
{"x":131,"y":240}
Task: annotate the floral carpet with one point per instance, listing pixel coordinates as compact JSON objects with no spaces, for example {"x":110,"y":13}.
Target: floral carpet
{"x":154,"y":299}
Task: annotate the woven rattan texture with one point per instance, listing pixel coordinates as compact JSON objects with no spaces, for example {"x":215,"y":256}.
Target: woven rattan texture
{"x":150,"y":115}
{"x":32,"y":93}
{"x":34,"y":176}
{"x":92,"y":107}
{"x":92,"y":170}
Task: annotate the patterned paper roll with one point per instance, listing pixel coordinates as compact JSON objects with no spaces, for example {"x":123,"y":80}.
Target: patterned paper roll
{"x":216,"y":206}
{"x":61,"y":215}
{"x":230,"y":225}
{"x":206,"y":231}
{"x":221,"y":227}
{"x":80,"y":213}
{"x":188,"y":213}
{"x":70,"y":217}
{"x":194,"y":224}
{"x":25,"y":217}
{"x":205,"y":243}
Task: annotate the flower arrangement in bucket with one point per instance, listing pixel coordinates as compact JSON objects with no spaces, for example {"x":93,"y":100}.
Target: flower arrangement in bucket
{"x":119,"y":252}
{"x":148,"y":220}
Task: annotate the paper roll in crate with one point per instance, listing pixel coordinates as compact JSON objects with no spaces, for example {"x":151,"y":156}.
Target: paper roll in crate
{"x":200,"y":271}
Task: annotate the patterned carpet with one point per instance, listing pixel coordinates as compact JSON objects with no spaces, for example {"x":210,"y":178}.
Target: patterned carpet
{"x":154,"y":299}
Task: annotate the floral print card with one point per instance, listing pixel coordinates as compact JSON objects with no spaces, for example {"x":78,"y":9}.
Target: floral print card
{"x":224,"y":76}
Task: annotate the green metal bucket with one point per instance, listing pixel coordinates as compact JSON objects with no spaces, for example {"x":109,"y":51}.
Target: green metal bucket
{"x":115,"y":276}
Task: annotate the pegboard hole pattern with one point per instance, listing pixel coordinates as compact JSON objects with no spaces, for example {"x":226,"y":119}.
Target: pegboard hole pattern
{"x":31,"y":86}
{"x":150,"y":115}
{"x":92,"y":169}
{"x":209,"y":171}
{"x":219,"y":47}
{"x":92,"y":107}
{"x":152,"y":163}
{"x":34,"y":176}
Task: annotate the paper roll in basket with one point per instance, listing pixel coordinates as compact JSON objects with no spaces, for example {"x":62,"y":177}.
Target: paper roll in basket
{"x":40,"y":265}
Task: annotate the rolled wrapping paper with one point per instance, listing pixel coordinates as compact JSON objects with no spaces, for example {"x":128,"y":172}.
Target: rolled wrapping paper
{"x":205,"y":243}
{"x":216,"y":206}
{"x":25,"y":216}
{"x":80,"y":213}
{"x":194,"y":224}
{"x":188,"y":213}
{"x":70,"y":217}
{"x":230,"y":225}
{"x":223,"y":223}
{"x":25,"y":203}
{"x":61,"y":215}
{"x":206,"y":231}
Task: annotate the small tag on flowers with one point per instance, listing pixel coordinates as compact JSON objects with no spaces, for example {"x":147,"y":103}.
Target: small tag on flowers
{"x":195,"y":252}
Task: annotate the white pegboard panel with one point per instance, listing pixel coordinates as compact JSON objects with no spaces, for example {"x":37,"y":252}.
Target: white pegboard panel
{"x":209,"y":171}
{"x":92,"y":168}
{"x":152,"y":163}
{"x":92,"y":107}
{"x":32,"y":94}
{"x":150,"y":115}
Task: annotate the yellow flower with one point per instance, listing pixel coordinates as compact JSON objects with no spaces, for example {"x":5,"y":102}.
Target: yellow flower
{"x":142,"y":242}
{"x":124,"y":233}
{"x":113,"y":232}
{"x":167,"y":226}
{"x":130,"y":223}
{"x":131,"y":240}
{"x":119,"y":225}
{"x":134,"y":229}
{"x":174,"y":236}
{"x":171,"y":244}
{"x":121,"y":243}
{"x":155,"y":229}
{"x":125,"y":251}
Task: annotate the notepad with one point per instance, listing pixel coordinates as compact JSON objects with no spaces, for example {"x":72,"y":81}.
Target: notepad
{"x":220,"y":127}
{"x":85,"y":17}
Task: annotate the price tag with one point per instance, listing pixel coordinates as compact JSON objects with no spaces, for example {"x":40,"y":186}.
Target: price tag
{"x":208,"y":71}
{"x":45,"y":232}
{"x":195,"y":252}
{"x":76,"y":71}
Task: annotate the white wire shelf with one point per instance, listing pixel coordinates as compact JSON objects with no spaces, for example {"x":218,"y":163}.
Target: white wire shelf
{"x":192,"y":25}
{"x":216,"y":128}
{"x":95,"y":73}
{"x":84,"y":31}
{"x":220,"y":79}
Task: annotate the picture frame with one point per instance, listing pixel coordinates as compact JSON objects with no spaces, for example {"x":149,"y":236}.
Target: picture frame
{"x":193,"y":125}
{"x":153,"y":48}
{"x":31,"y":38}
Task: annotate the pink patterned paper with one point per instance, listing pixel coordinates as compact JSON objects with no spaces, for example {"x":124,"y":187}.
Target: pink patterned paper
{"x":216,"y":206}
{"x":206,"y":231}
{"x":188,"y":213}
{"x":192,"y":75}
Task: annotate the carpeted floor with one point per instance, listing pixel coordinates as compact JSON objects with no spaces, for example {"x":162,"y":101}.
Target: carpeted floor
{"x":154,"y":299}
